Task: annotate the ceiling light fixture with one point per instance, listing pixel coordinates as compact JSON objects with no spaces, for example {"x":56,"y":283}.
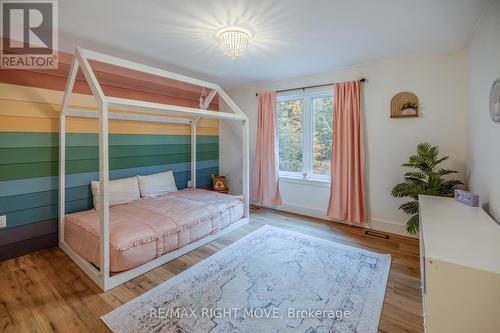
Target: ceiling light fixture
{"x":233,"y":40}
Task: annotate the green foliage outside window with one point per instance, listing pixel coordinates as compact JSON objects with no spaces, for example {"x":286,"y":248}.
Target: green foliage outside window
{"x":292,"y":115}
{"x":322,"y":135}
{"x":290,"y":135}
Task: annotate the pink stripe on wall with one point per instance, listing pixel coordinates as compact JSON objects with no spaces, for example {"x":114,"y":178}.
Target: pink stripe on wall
{"x":115,"y":81}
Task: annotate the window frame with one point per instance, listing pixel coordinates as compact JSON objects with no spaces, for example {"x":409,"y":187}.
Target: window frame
{"x":306,"y":98}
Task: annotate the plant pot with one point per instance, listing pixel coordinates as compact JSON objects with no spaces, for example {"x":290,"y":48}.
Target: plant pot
{"x":408,"y":112}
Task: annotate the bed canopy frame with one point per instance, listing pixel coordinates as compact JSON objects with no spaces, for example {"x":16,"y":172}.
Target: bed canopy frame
{"x":184,"y":115}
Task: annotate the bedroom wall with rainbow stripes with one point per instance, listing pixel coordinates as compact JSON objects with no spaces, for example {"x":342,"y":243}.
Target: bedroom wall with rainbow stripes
{"x":29,"y":161}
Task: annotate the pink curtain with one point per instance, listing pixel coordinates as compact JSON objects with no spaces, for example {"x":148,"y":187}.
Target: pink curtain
{"x":265,"y":183}
{"x":347,"y":192}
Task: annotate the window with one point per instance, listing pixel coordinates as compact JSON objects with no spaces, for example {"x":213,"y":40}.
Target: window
{"x":291,"y":137}
{"x":305,"y":134}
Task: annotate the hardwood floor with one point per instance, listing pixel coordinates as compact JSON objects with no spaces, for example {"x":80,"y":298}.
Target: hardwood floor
{"x":46,"y":292}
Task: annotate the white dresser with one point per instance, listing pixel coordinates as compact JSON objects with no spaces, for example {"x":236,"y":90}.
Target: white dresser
{"x":460,"y":267}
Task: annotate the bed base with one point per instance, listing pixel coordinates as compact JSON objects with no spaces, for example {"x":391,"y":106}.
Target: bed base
{"x":106,"y":283}
{"x":185,"y":115}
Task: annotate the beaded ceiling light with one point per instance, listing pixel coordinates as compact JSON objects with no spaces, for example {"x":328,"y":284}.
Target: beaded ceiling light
{"x":233,"y":40}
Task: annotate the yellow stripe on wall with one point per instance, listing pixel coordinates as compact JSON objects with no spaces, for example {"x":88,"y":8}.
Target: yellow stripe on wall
{"x":28,"y":109}
{"x":39,"y":95}
{"x":44,"y":110}
{"x":82,"y":125}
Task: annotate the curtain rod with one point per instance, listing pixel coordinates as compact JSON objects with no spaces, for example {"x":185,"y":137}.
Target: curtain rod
{"x":309,"y":87}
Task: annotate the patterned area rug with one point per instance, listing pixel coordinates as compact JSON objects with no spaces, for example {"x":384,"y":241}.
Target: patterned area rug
{"x":272,"y":280}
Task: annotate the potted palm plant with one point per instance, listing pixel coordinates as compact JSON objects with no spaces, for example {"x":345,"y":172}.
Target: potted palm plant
{"x":425,"y":177}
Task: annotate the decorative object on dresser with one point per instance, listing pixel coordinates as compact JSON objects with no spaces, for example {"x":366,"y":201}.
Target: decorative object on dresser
{"x":467,"y":198}
{"x":273,"y":270}
{"x":459,"y":267}
{"x":219,"y":184}
{"x":404,"y":105}
{"x":495,"y":101}
{"x":423,"y":178}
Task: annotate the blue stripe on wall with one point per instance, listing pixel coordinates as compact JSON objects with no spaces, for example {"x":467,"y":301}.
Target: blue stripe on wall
{"x":29,"y":185}
{"x":32,"y":185}
{"x":44,"y":198}
{"x":22,"y":140}
{"x":32,"y":207}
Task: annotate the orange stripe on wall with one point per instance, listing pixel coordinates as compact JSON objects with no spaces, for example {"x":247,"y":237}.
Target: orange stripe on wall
{"x":40,"y":95}
{"x":114,"y":80}
{"x":113,"y":75}
{"x":40,"y":80}
{"x":29,"y":99}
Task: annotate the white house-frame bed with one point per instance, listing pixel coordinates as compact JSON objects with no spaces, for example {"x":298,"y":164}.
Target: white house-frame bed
{"x":184,"y":115}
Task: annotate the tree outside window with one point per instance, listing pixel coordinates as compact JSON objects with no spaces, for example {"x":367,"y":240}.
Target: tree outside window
{"x":305,"y":129}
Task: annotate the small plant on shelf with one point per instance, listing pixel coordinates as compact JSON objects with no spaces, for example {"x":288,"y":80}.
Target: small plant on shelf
{"x":424,"y":178}
{"x":409,"y":105}
{"x":409,"y":109}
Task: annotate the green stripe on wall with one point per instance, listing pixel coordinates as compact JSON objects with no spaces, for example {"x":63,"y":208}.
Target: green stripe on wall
{"x":40,"y":184}
{"x":22,"y":159}
{"x":19,"y":140}
{"x":42,"y":169}
{"x":45,"y":154}
{"x":50,"y":168}
{"x":25,"y":156}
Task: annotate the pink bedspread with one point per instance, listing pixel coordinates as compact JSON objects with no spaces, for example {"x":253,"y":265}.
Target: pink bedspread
{"x":148,"y":228}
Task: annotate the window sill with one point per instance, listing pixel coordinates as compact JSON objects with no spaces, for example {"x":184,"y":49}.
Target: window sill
{"x":305,"y":181}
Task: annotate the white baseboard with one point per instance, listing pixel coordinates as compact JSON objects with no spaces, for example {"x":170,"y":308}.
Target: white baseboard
{"x":372,"y":223}
{"x":390,"y":226}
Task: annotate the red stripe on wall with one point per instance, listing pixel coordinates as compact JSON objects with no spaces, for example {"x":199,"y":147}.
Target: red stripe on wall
{"x":115,"y":81}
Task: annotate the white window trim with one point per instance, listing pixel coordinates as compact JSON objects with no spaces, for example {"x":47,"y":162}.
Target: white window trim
{"x":307,"y":124}
{"x":318,"y":182}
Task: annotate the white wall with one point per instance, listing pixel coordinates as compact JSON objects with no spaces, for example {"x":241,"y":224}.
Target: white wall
{"x":440,"y":83}
{"x":484,"y":68}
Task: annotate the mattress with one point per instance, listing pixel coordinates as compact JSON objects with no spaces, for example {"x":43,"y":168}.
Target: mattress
{"x":144,"y":229}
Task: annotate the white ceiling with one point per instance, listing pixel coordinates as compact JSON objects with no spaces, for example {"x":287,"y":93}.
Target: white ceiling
{"x":291,"y":38}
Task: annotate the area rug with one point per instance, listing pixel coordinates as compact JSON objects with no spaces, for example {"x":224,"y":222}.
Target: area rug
{"x":272,"y":280}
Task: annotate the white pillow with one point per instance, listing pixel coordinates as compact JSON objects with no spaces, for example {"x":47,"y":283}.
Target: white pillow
{"x":120,"y":191}
{"x":157,"y":184}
